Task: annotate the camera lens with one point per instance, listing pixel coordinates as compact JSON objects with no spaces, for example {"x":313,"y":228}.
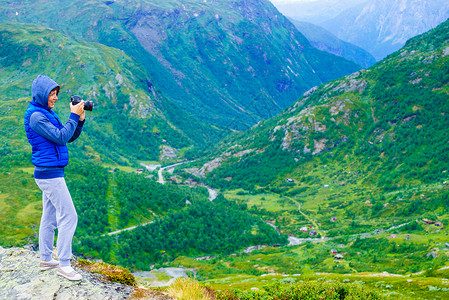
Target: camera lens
{"x":88,"y":105}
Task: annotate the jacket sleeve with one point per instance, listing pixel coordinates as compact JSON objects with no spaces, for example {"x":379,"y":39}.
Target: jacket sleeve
{"x":78,"y":130}
{"x":42,"y":125}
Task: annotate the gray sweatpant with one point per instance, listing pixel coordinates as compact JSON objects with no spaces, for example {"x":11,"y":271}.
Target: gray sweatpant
{"x":58,"y":212}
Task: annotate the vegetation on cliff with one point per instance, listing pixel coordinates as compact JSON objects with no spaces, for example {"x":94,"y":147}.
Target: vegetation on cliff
{"x":364,"y":148}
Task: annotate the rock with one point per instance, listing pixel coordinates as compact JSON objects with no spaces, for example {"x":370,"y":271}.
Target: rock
{"x":351,"y":86}
{"x":210,"y":166}
{"x":20,"y":278}
{"x":168,"y":152}
{"x":310,"y":92}
{"x":446,"y":51}
{"x":243,"y":153}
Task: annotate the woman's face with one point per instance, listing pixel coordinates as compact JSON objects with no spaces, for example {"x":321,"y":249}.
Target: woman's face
{"x":52,"y":98}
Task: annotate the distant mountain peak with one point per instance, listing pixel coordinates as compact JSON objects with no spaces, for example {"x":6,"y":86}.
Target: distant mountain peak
{"x":383,"y":26}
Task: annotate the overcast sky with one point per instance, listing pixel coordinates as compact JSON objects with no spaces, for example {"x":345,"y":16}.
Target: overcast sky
{"x":300,"y":1}
{"x":314,"y":11}
{"x":291,"y":1}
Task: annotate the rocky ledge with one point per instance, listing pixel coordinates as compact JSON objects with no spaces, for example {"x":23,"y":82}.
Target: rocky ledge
{"x":20,"y":278}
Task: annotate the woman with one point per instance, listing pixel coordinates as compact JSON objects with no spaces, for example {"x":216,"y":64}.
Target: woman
{"x":48,"y":138}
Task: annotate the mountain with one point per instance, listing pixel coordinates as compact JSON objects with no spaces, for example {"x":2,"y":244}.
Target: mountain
{"x":383,"y":26}
{"x":323,"y":40}
{"x":129,"y":123}
{"x":130,"y":120}
{"x":96,"y":50}
{"x":374,"y":137}
{"x":230,"y":63}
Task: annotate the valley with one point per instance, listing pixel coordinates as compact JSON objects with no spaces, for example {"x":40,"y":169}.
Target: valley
{"x":394,"y":258}
{"x":224,"y":147}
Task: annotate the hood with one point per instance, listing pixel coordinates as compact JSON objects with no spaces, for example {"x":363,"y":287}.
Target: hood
{"x":41,"y":88}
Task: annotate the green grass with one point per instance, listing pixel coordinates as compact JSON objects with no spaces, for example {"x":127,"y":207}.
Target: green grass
{"x":268,"y":201}
{"x":399,"y":255}
{"x":292,"y":264}
{"x":389,"y":287}
{"x":21,"y":203}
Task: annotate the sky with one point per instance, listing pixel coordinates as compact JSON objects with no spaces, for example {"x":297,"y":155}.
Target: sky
{"x":292,"y":1}
{"x":314,"y":11}
{"x":302,"y":1}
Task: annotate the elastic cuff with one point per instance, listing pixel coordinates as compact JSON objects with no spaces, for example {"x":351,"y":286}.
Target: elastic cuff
{"x":74,"y":117}
{"x":64,"y":263}
{"x":46,"y":257}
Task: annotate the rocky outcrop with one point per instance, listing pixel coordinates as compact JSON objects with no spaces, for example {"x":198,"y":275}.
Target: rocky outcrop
{"x":20,"y":278}
{"x":168,"y":152}
{"x":210,"y":166}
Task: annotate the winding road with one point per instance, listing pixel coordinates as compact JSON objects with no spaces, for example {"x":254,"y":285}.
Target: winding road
{"x":159,"y":173}
{"x":212,"y":195}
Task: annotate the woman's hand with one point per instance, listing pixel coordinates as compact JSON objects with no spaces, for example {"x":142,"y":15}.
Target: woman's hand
{"x":78,"y":109}
{"x":83,"y":116}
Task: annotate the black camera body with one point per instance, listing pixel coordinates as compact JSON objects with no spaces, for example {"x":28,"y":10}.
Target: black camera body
{"x":88,"y":105}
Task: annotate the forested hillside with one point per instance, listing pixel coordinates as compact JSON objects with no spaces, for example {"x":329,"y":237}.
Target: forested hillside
{"x":128,"y":124}
{"x":369,"y":148}
{"x":125,"y":109}
{"x":179,"y":220}
{"x":230,"y":63}
{"x":218,"y":227}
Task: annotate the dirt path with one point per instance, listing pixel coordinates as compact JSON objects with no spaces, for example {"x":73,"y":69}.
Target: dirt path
{"x":126,"y":229}
{"x":315,"y":225}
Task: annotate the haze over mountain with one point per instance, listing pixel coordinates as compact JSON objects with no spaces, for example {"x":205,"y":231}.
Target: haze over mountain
{"x":230,"y":63}
{"x":323,"y":40}
{"x":383,"y":26}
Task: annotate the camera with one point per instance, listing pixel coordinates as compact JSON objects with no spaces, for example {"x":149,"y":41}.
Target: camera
{"x":88,"y":105}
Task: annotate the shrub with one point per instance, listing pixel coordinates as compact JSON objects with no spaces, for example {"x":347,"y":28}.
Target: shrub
{"x":112,"y":273}
{"x":309,"y":290}
{"x":186,"y":288}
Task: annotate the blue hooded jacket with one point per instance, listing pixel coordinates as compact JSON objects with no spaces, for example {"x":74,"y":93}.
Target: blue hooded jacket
{"x":45,"y":132}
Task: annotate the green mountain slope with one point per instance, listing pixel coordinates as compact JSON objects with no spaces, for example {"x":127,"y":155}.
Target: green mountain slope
{"x":370,"y":147}
{"x":230,"y":63}
{"x":129,"y":122}
{"x":120,"y":131}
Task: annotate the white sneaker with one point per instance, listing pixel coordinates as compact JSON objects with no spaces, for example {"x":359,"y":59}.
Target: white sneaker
{"x":46,"y":265}
{"x":69,"y":273}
